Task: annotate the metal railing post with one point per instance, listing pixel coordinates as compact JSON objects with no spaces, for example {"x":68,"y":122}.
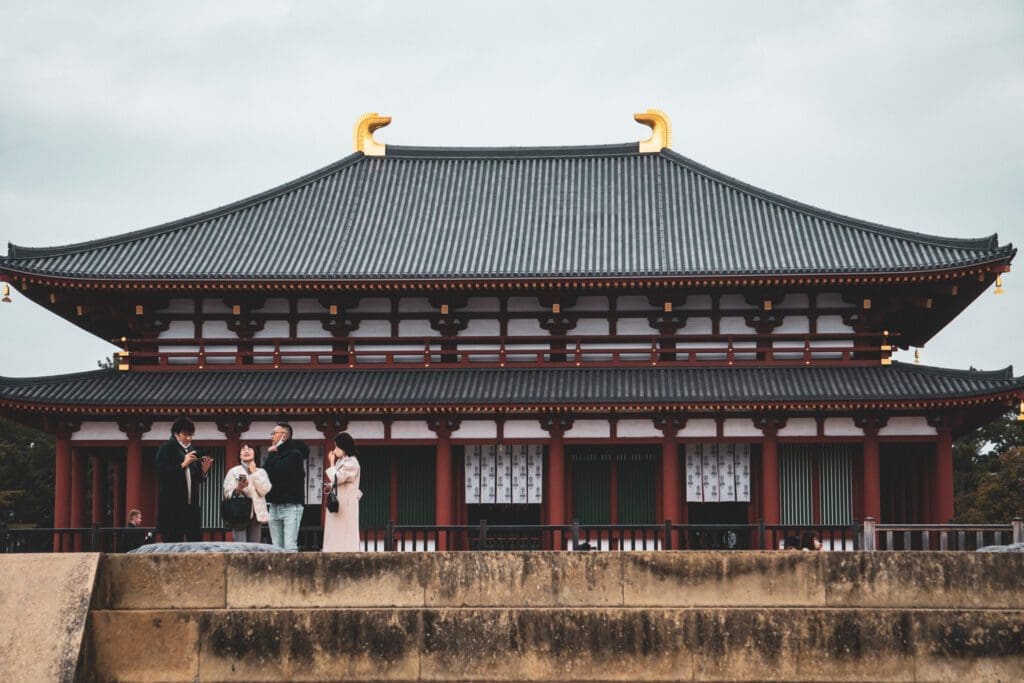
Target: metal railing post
{"x":760,"y":534}
{"x":389,"y":536}
{"x":482,"y":536}
{"x":575,"y":534}
{"x":1018,"y":530}
{"x":869,"y":533}
{"x":667,"y":544}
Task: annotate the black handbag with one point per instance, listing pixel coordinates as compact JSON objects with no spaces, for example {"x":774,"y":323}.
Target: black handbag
{"x":332,"y":497}
{"x":236,"y":511}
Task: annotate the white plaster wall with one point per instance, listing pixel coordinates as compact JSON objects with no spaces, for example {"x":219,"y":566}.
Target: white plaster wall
{"x":477,"y":429}
{"x":101,"y":431}
{"x":630,"y":326}
{"x":217,"y":329}
{"x":833,"y":300}
{"x":415,"y":305}
{"x":793,"y":324}
{"x":796,"y":300}
{"x":307,"y":305}
{"x":734,"y":325}
{"x":482,"y":328}
{"x":259,"y":433}
{"x":800,"y":426}
{"x":637,"y":429}
{"x":523,"y":328}
{"x":158,"y":431}
{"x":372,"y":328}
{"x":273,"y":328}
{"x":206,"y":431}
{"x":178,"y":306}
{"x":215,"y":306}
{"x":179,"y":329}
{"x":591,"y":326}
{"x":592,"y":303}
{"x":740,"y":427}
{"x":373,"y":305}
{"x":365,"y":429}
{"x":524,"y":429}
{"x":520,"y":304}
{"x":274,"y":305}
{"x":416,"y":328}
{"x":907,"y":426}
{"x":698,"y":326}
{"x":411,"y":429}
{"x":698,"y":428}
{"x":582,"y":429}
{"x":634,"y":303}
{"x":311,"y":329}
{"x":482,"y":304}
{"x":734,"y":302}
{"x":841,"y":426}
{"x":832,"y":323}
{"x":698,"y":302}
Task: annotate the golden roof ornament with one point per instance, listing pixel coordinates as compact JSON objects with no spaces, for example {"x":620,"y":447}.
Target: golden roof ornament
{"x":999,"y":285}
{"x":1020,"y":415}
{"x":7,"y":294}
{"x":362,"y":134}
{"x":661,"y":130}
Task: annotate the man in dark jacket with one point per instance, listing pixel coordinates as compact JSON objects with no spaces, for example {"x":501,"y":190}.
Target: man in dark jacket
{"x":179,"y":474}
{"x":285,"y":465}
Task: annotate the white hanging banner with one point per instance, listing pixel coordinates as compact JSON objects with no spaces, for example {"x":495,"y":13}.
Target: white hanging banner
{"x":503,"y":469}
{"x":488,"y":474}
{"x":314,"y":467}
{"x":473,"y":474}
{"x":743,"y":472}
{"x":694,"y":485}
{"x":709,"y":465}
{"x":535,"y":474}
{"x":726,"y":472}
{"x":520,"y":473}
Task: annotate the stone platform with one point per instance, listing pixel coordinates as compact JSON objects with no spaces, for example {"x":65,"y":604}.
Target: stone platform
{"x":511,"y":616}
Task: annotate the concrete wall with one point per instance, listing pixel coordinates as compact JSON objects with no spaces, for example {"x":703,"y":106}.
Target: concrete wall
{"x":558,"y":616}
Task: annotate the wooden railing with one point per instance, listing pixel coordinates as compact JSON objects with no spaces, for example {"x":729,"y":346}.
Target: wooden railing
{"x":505,"y":351}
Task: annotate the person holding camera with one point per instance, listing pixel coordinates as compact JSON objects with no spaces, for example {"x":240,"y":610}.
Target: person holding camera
{"x":246,"y":479}
{"x":180,"y":471}
{"x":341,"y":528}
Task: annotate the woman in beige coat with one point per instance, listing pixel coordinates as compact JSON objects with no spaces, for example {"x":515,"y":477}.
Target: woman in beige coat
{"x":251,"y":481}
{"x":341,"y":528}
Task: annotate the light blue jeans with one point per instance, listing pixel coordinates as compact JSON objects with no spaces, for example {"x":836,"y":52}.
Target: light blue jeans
{"x":284,"y":525}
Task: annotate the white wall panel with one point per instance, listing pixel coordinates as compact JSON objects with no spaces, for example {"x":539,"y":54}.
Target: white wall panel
{"x":907,"y":426}
{"x":637,"y":429}
{"x":524,"y":429}
{"x":841,"y":426}
{"x":589,"y":429}
{"x":800,"y":426}
{"x":740,"y":427}
{"x":411,"y":429}
{"x":477,"y":429}
{"x":699,"y":428}
{"x":102,"y":431}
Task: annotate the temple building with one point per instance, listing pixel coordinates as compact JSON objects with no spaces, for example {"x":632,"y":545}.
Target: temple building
{"x":613,"y":334}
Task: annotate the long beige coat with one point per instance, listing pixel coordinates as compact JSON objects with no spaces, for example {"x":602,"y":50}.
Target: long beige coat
{"x":341,"y":528}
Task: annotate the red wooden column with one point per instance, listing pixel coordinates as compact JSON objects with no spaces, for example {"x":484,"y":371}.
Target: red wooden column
{"x":98,"y":489}
{"x":117,"y":475}
{"x":944,"y":510}
{"x":770,"y":426}
{"x":554,"y":491}
{"x":77,"y":495}
{"x":134,"y":493}
{"x":871,"y":424}
{"x":671,"y":489}
{"x":62,"y":480}
{"x":443,"y":501}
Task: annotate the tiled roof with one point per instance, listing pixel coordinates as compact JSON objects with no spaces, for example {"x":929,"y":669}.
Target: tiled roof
{"x":515,"y":213}
{"x":571,"y":387}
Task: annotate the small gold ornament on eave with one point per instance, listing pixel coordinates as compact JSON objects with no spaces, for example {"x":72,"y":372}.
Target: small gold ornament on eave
{"x":362,"y":134}
{"x":661,"y":130}
{"x":999,"y":285}
{"x":7,"y":294}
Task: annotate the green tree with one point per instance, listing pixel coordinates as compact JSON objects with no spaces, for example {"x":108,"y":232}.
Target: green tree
{"x":983,"y":470}
{"x":26,"y":474}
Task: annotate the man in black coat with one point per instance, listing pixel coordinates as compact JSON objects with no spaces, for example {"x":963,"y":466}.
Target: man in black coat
{"x":285,"y":466}
{"x":179,"y":475}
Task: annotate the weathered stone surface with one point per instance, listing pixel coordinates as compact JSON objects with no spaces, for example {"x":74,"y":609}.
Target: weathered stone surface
{"x":193,"y":581}
{"x":142,"y":645}
{"x":328,"y":580}
{"x":961,"y":646}
{"x":721,"y":578}
{"x":310,"y":645}
{"x":922,"y":579}
{"x":44,"y":604}
{"x":524,"y":578}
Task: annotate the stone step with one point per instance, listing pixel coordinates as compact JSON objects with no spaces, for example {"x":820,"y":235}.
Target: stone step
{"x":560,"y":579}
{"x":555,"y":644}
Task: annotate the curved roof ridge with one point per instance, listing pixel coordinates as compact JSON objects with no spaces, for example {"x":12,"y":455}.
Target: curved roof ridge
{"x":1004,"y":373}
{"x":990,"y":242}
{"x":15,"y":251}
{"x":554,"y":152}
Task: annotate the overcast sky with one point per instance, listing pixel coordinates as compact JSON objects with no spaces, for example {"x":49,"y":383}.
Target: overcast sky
{"x":116,"y":116}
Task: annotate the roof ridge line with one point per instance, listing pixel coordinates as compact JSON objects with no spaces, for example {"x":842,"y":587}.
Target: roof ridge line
{"x":15,"y":252}
{"x":989,"y":242}
{"x":512,"y":152}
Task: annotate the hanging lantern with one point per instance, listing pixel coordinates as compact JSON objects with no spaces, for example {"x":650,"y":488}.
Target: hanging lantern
{"x":1020,"y":415}
{"x":999,"y":285}
{"x":917,"y":355}
{"x":7,"y":294}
